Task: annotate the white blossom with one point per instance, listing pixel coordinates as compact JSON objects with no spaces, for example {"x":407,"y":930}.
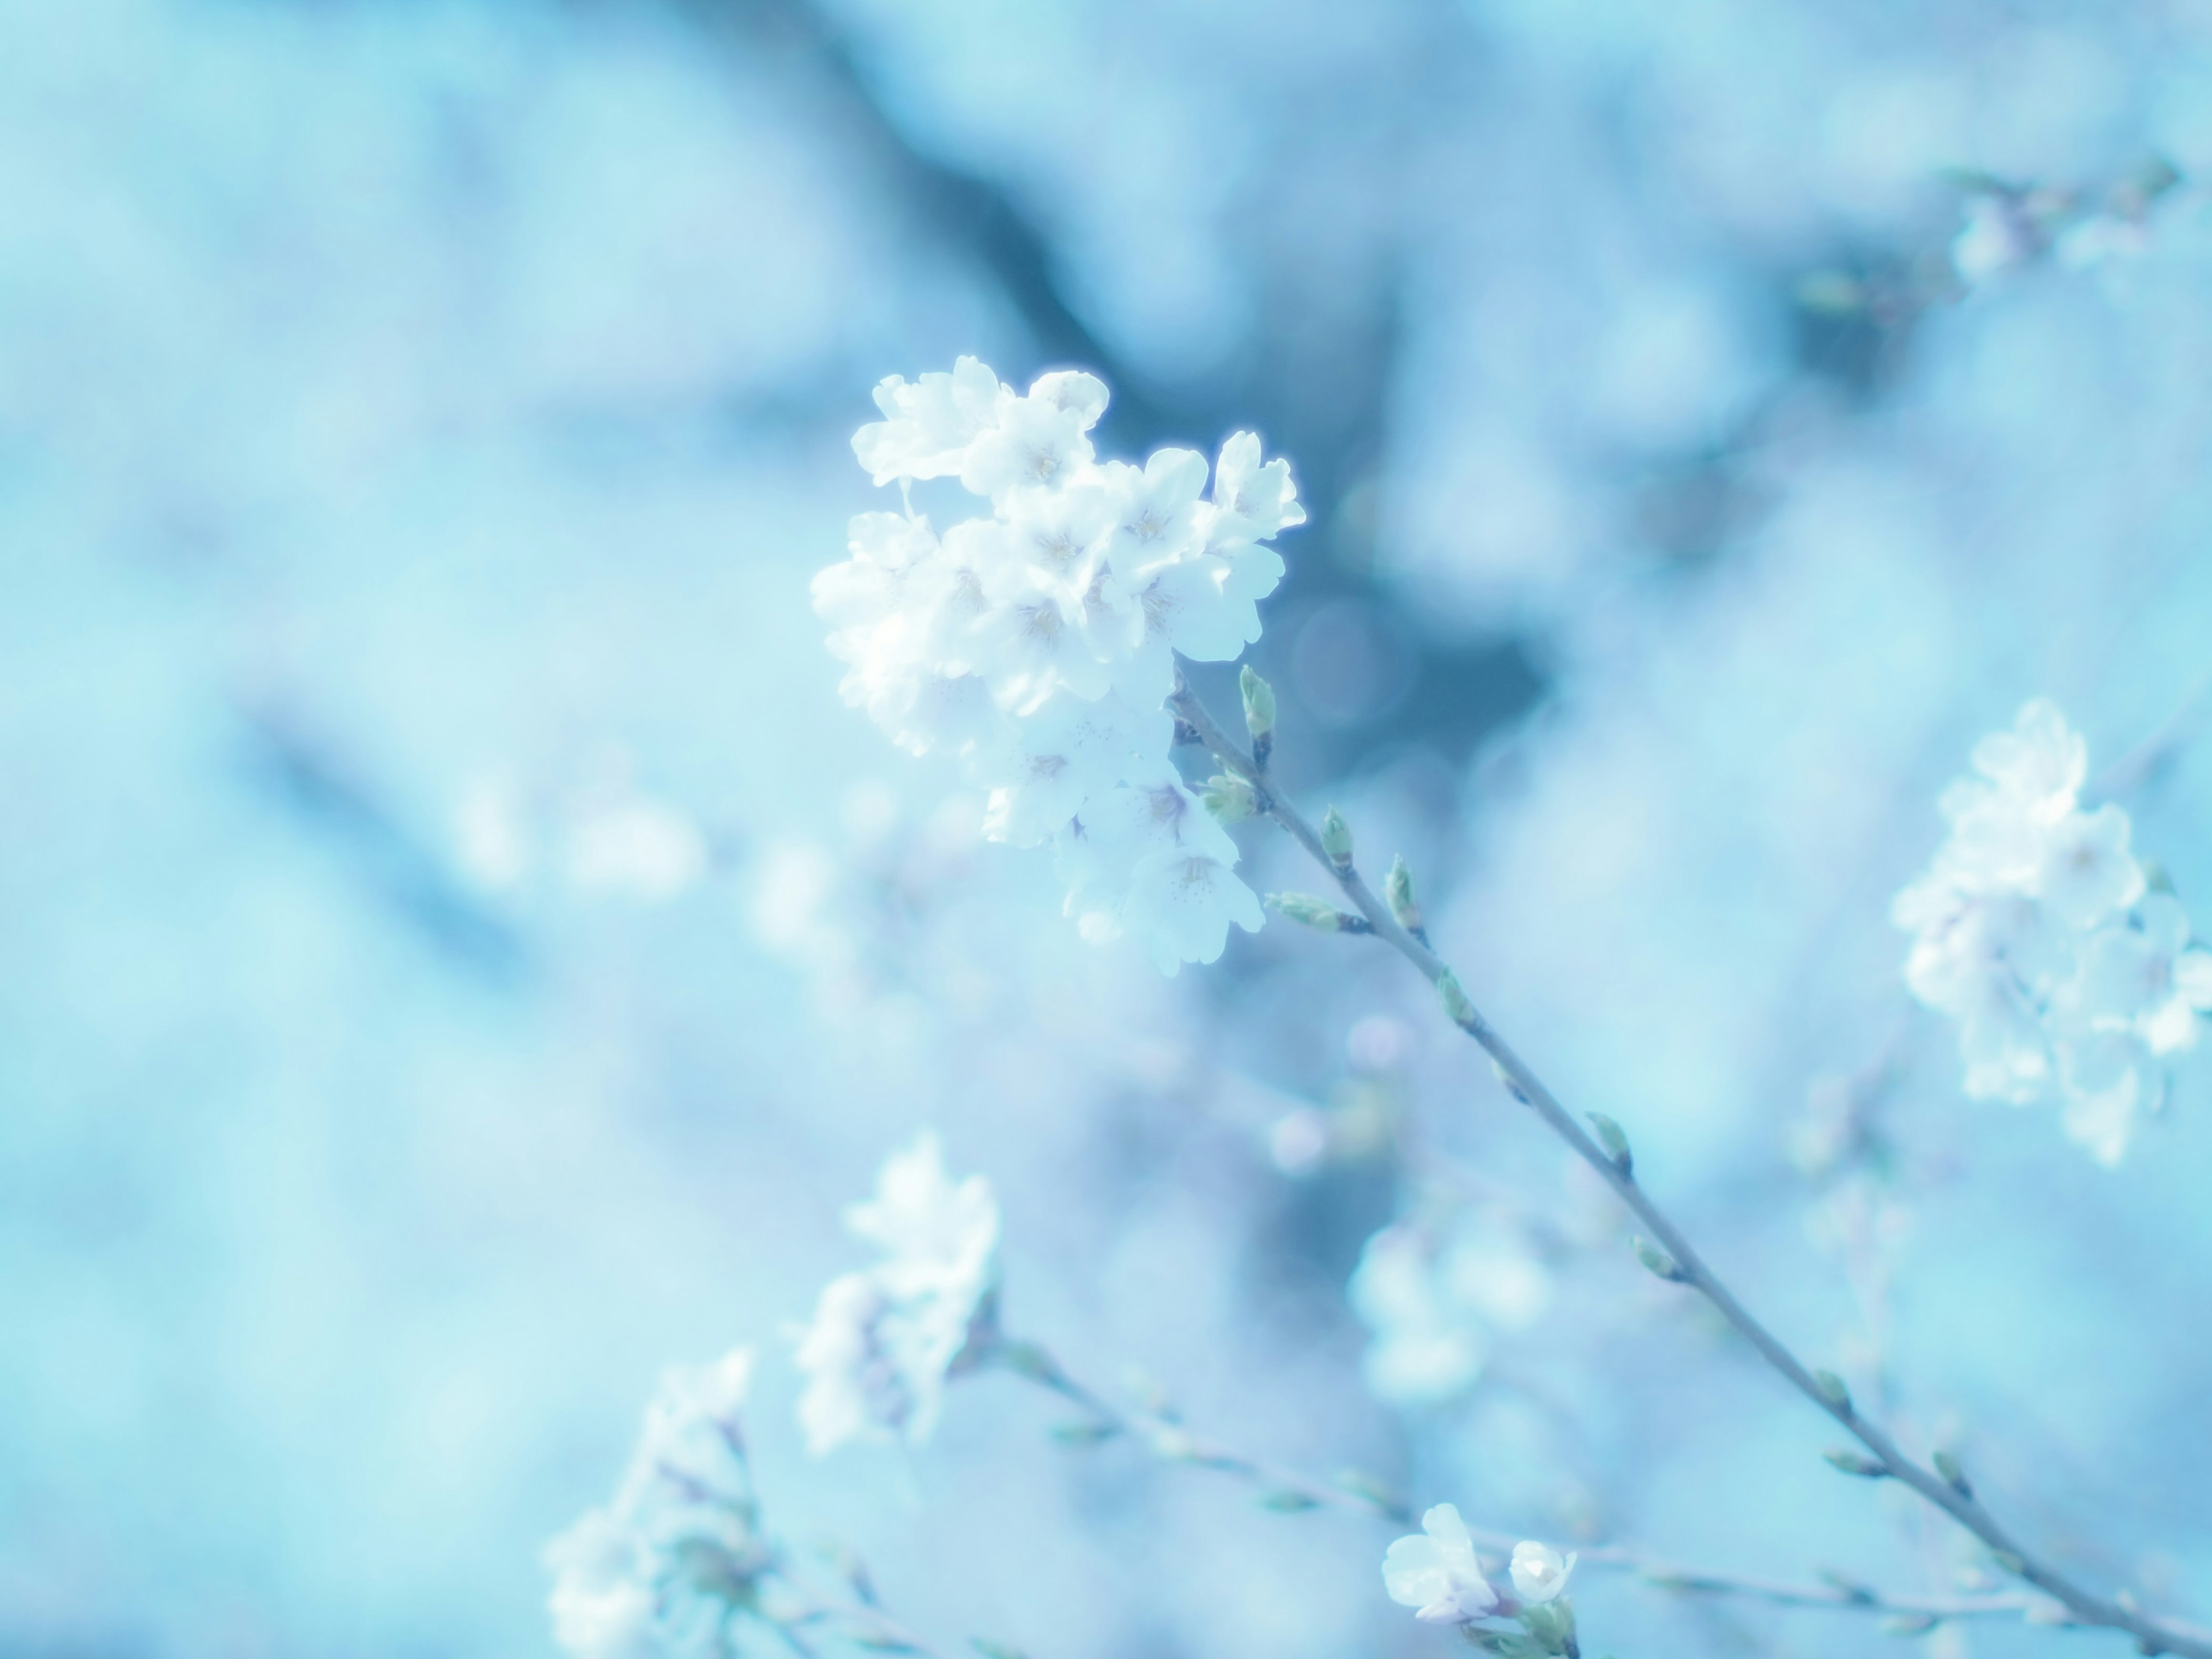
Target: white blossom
{"x":663,"y":1569}
{"x":1036,"y":642}
{"x":930,"y":425}
{"x":882,"y":1341}
{"x":2032,"y":930}
{"x":1540,"y":1573}
{"x":1435,"y":1572}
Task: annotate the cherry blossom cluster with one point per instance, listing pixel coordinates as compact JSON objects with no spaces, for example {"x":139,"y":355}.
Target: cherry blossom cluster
{"x":883,"y":1340}
{"x":2036,"y":929}
{"x":1035,"y":643}
{"x":1437,"y":1572}
{"x":666,"y":1567}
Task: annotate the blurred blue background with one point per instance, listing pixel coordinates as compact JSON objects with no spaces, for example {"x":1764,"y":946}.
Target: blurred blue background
{"x":460,"y":954}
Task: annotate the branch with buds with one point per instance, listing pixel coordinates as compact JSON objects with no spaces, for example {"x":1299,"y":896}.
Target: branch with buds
{"x":1664,"y":1248}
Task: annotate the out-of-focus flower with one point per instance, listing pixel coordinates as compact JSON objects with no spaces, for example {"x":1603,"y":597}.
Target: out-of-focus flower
{"x":1037,"y":644}
{"x":2031,"y":929}
{"x":1435,"y":1572}
{"x":883,"y":1340}
{"x":1540,"y":1572}
{"x":1433,"y":1300}
{"x":663,"y":1568}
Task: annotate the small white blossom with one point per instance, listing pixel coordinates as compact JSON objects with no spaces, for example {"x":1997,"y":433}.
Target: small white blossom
{"x":2032,"y":930}
{"x":2142,"y":976}
{"x":1540,"y":1573}
{"x":1036,"y":642}
{"x":2086,"y":873}
{"x":602,"y":1602}
{"x":883,"y":1340}
{"x":1434,"y":1571}
{"x":664,"y":1567}
{"x":930,"y":424}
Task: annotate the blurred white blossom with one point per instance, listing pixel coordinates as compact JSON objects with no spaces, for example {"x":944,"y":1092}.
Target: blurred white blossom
{"x":1432,"y":1296}
{"x":883,"y":1340}
{"x":2031,"y":929}
{"x":1037,"y":644}
{"x":664,"y":1568}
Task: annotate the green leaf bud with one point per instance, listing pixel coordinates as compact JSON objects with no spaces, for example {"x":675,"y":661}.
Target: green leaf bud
{"x":1336,"y":839}
{"x":1610,"y":1137}
{"x":1858,"y":1463}
{"x":1230,"y":799}
{"x":1658,"y":1262}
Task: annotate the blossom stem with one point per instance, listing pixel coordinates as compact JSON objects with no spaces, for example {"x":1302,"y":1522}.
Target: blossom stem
{"x":1171,"y":1440}
{"x":2152,"y":1635}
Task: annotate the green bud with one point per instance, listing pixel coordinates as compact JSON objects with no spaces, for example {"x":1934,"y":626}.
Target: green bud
{"x":1289,"y":1503}
{"x":1398,"y":888}
{"x":2010,"y":1561}
{"x":1316,"y":912}
{"x":1084,"y":1434}
{"x":1230,"y":800}
{"x":1336,"y":839}
{"x":1658,"y":1261}
{"x":1610,"y":1137}
{"x":1833,"y":1391}
{"x":1259,"y":704}
{"x":1953,"y":1476}
{"x":1858,"y":1463}
{"x":1455,"y":1003}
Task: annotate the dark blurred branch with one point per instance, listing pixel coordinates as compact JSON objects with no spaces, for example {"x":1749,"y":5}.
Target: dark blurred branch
{"x":1674,"y":1257}
{"x":309,"y":781}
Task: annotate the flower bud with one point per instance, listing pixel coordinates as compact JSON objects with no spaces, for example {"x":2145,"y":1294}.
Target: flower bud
{"x":1610,"y":1137}
{"x":1658,"y":1262}
{"x":1316,"y":912}
{"x":1455,"y":1003}
{"x":1259,"y":704}
{"x":1398,"y":888}
{"x":1336,"y":839}
{"x":1953,"y":1476}
{"x":1230,"y":799}
{"x":1858,"y":1463}
{"x":1833,"y":1391}
{"x":2010,"y":1561}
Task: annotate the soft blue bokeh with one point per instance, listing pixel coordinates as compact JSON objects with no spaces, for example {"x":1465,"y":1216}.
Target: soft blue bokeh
{"x":419,"y":423}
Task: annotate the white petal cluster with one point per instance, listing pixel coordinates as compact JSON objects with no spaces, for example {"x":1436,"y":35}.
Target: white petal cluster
{"x":1036,"y":643}
{"x":2034,"y":929}
{"x":883,"y":1339}
{"x":662,"y":1569}
{"x":1434,"y":1296}
{"x":1436,"y":1573}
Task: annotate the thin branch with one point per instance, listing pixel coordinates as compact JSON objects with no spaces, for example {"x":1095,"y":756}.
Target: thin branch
{"x":2153,"y":1635}
{"x":1169,"y":1440}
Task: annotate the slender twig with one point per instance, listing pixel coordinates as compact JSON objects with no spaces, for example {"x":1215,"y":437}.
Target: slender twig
{"x":1171,"y":1440}
{"x":2153,"y":1635}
